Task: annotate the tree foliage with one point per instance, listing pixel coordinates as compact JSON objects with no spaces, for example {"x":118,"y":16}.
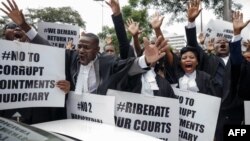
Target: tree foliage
{"x":138,"y":15}
{"x":177,"y":8}
{"x":49,"y":14}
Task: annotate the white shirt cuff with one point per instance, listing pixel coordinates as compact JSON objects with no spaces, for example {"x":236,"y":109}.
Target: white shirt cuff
{"x":142,"y":62}
{"x":31,"y":33}
{"x":236,"y":38}
{"x":191,"y":25}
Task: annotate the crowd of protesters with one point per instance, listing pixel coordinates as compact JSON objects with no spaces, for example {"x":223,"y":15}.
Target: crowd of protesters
{"x":222,"y":70}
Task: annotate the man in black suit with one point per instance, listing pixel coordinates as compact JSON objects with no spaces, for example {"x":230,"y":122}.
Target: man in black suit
{"x":219,"y":66}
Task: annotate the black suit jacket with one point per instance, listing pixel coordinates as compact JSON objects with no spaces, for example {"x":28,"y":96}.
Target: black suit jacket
{"x":244,"y":82}
{"x":209,"y":63}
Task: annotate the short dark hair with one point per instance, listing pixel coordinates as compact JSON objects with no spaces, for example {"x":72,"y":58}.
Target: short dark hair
{"x":192,"y":49}
{"x":10,"y":25}
{"x":93,"y":37}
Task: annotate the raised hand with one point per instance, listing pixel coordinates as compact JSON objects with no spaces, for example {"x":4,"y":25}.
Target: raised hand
{"x":133,"y":27}
{"x":13,"y":12}
{"x":115,"y":6}
{"x":238,"y":23}
{"x":210,"y":45}
{"x":153,"y":52}
{"x":156,"y":20}
{"x":193,"y":10}
{"x":64,"y":85}
{"x":201,"y":38}
{"x":69,"y":45}
{"x":108,"y":40}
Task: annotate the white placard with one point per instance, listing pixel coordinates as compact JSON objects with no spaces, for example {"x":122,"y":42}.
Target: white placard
{"x":59,"y":34}
{"x":151,"y":115}
{"x":11,"y":131}
{"x":198,"y":115}
{"x":29,"y":73}
{"x":247,"y":112}
{"x":91,"y":107}
{"x":220,"y":28}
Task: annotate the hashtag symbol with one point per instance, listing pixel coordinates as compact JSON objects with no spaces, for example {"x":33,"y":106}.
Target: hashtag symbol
{"x":121,"y":106}
{"x":79,"y":105}
{"x":5,"y":55}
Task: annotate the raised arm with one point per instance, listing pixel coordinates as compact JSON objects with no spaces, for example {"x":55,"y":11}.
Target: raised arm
{"x":193,"y":10}
{"x":235,"y":44}
{"x":119,"y":28}
{"x":156,"y":23}
{"x":16,"y":15}
{"x":134,"y":30}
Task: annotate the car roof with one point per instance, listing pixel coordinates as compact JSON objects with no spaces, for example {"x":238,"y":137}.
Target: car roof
{"x":90,"y":131}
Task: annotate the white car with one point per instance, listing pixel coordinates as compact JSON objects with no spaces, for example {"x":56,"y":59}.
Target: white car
{"x":67,"y":130}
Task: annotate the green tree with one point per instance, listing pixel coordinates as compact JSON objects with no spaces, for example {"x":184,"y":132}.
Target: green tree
{"x":138,"y":15}
{"x":177,"y":8}
{"x":49,"y":14}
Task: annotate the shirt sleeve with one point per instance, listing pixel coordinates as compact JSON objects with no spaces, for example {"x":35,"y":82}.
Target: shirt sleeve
{"x":142,"y":62}
{"x":190,"y":25}
{"x":31,"y":33}
{"x":236,"y":38}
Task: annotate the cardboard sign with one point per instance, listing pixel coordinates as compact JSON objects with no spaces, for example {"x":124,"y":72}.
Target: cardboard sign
{"x":198,"y":115}
{"x":220,"y":28}
{"x":247,"y":112}
{"x":29,"y":73}
{"x":59,"y":34}
{"x":91,"y":107}
{"x":151,"y":115}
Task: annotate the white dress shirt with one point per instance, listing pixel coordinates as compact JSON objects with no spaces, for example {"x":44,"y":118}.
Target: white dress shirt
{"x":149,"y":83}
{"x":187,"y":82}
{"x":86,"y":79}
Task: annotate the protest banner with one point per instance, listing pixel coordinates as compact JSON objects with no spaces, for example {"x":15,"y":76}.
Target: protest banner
{"x":29,"y":73}
{"x":220,"y":28}
{"x":11,"y":131}
{"x":91,"y":107}
{"x":59,"y":34}
{"x":151,"y":115}
{"x":247,"y":112}
{"x":198,"y":115}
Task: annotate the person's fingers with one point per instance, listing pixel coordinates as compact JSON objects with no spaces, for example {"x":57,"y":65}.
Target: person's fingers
{"x":163,"y":44}
{"x":145,"y":42}
{"x":109,"y":4}
{"x":241,"y":17}
{"x":15,"y":5}
{"x":127,"y":23}
{"x":161,"y":55}
{"x":195,"y":3}
{"x":198,"y":3}
{"x":246,"y":23}
{"x":6,"y":7}
{"x":199,"y":11}
{"x":10,"y":4}
{"x":162,"y":18}
{"x":164,"y":49}
{"x":4,"y":11}
{"x":234,"y":15}
{"x":188,"y":5}
{"x":158,"y":41}
{"x":237,"y":14}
